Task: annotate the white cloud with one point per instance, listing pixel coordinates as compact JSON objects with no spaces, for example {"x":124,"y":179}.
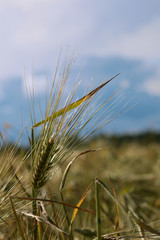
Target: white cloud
{"x":38,"y":29}
{"x":152,"y":85}
{"x":141,"y":44}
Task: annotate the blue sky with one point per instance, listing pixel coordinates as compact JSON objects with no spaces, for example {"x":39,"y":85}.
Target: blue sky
{"x":109,"y":37}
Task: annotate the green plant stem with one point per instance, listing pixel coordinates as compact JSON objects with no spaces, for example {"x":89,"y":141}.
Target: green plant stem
{"x":34,"y":191}
{"x":39,"y":227}
{"x":32,"y":147}
{"x":67,"y":218}
{"x":65,"y":210}
{"x":70,"y":232}
{"x":98,"y":219}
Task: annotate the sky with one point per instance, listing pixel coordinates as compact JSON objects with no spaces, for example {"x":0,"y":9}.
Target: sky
{"x":108,"y":36}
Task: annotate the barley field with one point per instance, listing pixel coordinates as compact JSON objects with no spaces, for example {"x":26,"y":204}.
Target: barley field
{"x":127,"y":172}
{"x":71,"y":183}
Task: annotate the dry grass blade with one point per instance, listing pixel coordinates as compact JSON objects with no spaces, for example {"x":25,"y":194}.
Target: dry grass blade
{"x":70,"y":163}
{"x":11,"y":164}
{"x":80,"y":202}
{"x":54,"y":201}
{"x":45,"y":221}
{"x":117,"y":208}
{"x":18,"y":180}
{"x":46,"y":216}
{"x":142,"y":232}
{"x":24,"y":228}
{"x":44,"y":212}
{"x":133,"y":216}
{"x":1,"y":136}
{"x":112,"y":196}
{"x":17,"y":220}
{"x":142,"y":225}
{"x":127,"y":234}
{"x":73,"y":105}
{"x":97,"y":205}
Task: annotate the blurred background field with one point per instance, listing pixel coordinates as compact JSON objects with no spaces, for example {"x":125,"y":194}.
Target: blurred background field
{"x":132,"y":164}
{"x":129,"y":165}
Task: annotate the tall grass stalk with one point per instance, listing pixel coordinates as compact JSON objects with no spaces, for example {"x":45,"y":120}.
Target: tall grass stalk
{"x":61,"y":129}
{"x":98,"y":218}
{"x":17,"y":220}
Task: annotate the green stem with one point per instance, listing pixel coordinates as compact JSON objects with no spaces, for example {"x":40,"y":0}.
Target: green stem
{"x":39,"y":227}
{"x":34,"y":191}
{"x":67,"y":218}
{"x":65,"y":210}
{"x":32,"y":147}
{"x":70,"y":232}
{"x":98,"y":219}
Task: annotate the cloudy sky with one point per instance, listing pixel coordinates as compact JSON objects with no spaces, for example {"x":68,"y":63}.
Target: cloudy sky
{"x":110,"y":36}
